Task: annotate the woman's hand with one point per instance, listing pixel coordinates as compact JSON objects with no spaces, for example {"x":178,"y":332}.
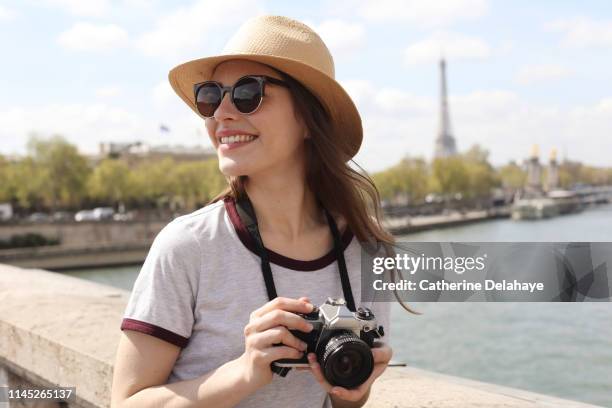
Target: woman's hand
{"x":382,"y":354}
{"x":269,"y":325}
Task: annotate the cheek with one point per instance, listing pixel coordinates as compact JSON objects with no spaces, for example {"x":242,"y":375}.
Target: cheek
{"x":280,"y":132}
{"x":210,"y":130}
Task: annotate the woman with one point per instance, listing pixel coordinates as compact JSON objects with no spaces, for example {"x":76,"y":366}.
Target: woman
{"x":203,"y":326}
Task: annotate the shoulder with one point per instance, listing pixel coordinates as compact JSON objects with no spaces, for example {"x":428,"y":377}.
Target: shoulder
{"x":190,"y":230}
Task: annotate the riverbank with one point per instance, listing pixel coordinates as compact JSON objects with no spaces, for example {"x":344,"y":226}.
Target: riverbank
{"x":63,"y":331}
{"x":90,"y":245}
{"x":409,"y":225}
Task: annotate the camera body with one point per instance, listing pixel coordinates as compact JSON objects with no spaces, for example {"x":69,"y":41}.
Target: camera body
{"x":341,"y":340}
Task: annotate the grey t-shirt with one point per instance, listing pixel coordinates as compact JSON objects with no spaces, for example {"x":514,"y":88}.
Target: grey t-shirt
{"x":202,"y":279}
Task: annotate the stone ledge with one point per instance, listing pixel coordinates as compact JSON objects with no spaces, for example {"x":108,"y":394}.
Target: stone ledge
{"x":60,"y":330}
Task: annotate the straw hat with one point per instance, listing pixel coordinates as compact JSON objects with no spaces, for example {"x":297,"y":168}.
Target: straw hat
{"x":291,"y":47}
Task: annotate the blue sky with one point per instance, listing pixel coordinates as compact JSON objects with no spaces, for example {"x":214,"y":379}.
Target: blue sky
{"x":519,"y":72}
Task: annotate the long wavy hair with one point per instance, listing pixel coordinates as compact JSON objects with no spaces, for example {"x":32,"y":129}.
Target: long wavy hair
{"x":341,"y":189}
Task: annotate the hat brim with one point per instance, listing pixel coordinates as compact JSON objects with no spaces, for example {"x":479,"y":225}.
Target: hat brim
{"x":346,"y":122}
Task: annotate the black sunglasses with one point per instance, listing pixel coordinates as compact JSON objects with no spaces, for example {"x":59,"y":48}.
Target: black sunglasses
{"x":246,"y":94}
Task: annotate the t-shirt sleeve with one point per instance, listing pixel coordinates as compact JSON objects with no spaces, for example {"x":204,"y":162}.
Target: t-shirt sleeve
{"x":164,"y":294}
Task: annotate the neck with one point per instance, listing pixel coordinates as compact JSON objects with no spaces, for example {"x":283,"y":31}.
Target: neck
{"x":284,"y":206}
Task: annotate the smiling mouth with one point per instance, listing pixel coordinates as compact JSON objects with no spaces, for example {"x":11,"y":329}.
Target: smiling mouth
{"x":237,"y":139}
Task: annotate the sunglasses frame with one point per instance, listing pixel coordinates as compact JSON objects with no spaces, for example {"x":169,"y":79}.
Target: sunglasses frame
{"x":262,"y":80}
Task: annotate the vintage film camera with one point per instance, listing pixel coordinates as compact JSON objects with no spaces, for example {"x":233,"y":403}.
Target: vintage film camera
{"x":341,"y":340}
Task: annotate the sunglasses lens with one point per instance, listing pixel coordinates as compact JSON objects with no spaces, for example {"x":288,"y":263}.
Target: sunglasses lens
{"x":208,"y":99}
{"x":247,"y":95}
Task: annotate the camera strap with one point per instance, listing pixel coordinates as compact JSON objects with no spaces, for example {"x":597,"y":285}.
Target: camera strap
{"x":247,"y":215}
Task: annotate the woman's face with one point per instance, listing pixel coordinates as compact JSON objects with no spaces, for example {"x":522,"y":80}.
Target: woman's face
{"x":278,"y":142}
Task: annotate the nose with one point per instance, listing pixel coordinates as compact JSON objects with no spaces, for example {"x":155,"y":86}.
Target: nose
{"x":226,"y":110}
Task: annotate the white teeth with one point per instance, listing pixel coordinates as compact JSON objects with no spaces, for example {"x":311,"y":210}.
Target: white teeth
{"x":237,"y":139}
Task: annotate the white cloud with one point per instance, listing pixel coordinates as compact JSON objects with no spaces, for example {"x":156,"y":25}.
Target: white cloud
{"x":108,"y":91}
{"x":188,"y":30}
{"x":451,"y":45}
{"x":86,"y":125}
{"x":423,"y":13}
{"x":6,"y":14}
{"x":164,"y":96}
{"x":342,"y":37}
{"x":582,"y":32}
{"x":539,"y":73}
{"x":397,"y":124}
{"x":82,"y":8}
{"x":93,"y":37}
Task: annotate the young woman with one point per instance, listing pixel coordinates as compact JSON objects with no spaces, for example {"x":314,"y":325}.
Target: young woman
{"x":203,"y":324}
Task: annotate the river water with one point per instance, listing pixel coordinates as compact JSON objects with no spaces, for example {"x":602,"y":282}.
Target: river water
{"x":561,"y":349}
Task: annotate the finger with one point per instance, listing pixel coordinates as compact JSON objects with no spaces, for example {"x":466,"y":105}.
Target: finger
{"x":283,"y":303}
{"x":281,"y":318}
{"x":276,"y":335}
{"x":355,"y":394}
{"x":318,"y":374}
{"x":382,"y":354}
{"x":379,"y":369}
{"x":271,"y":354}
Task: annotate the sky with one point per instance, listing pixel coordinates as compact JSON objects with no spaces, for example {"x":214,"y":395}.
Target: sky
{"x":519,"y":73}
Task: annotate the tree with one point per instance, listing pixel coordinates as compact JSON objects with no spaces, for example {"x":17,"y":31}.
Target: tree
{"x":408,"y":178}
{"x":512,"y":176}
{"x":26,"y":181}
{"x":481,"y":175}
{"x":450,"y":175}
{"x":111,"y":182}
{"x":63,"y":170}
{"x":6,"y":186}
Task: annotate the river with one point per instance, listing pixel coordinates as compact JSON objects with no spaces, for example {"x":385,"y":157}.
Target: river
{"x":561,"y":349}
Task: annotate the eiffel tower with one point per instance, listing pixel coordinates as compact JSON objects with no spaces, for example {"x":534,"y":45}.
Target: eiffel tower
{"x":445,"y":142}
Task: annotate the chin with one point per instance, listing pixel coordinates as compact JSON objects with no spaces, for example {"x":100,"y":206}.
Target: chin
{"x":230,"y":168}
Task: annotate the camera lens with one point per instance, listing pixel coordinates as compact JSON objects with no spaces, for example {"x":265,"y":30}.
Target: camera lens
{"x":347,"y":360}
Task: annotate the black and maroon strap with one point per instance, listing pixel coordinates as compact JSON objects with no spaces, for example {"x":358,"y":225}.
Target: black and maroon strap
{"x":247,"y":215}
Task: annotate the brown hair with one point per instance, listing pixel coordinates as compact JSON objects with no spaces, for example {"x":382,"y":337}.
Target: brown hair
{"x":342,"y":190}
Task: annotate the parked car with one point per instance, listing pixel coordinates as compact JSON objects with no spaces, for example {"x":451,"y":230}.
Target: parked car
{"x":103,"y":213}
{"x":126,"y":216}
{"x":60,"y":216}
{"x":38,"y":217}
{"x":84,"y":215}
{"x":6,"y":211}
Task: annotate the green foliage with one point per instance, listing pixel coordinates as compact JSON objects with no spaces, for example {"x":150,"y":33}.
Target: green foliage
{"x":468,"y":174}
{"x":60,"y":171}
{"x":450,"y":175}
{"x":512,"y":176}
{"x":6,"y":188}
{"x":54,"y":175}
{"x":111,"y":181}
{"x":27,"y":240}
{"x":408,"y":178}
{"x":480,"y":174}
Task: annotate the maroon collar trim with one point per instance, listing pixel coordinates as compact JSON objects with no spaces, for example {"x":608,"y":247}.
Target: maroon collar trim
{"x":275,"y":257}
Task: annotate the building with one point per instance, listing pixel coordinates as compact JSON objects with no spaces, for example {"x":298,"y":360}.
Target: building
{"x":136,"y":152}
{"x":552,"y":176}
{"x":445,"y":145}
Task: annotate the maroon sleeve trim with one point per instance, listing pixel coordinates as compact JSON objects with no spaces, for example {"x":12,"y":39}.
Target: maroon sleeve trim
{"x":155,"y":331}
